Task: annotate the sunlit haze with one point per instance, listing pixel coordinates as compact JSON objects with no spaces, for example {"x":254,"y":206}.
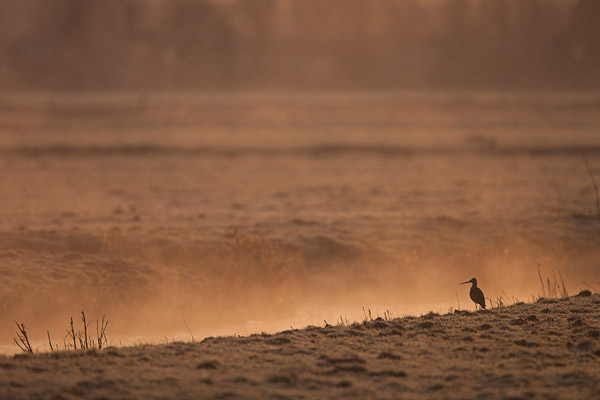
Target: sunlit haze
{"x":249,"y":166}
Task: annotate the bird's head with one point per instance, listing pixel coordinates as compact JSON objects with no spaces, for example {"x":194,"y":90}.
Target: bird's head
{"x":473,"y":281}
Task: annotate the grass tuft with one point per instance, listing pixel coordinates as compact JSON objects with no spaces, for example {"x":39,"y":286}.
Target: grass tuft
{"x":86,"y":342}
{"x":553,"y":289}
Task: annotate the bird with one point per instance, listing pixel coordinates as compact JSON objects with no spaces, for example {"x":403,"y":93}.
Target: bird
{"x":476,"y":293}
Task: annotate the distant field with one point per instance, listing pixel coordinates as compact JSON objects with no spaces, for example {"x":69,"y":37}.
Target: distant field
{"x":254,"y":212}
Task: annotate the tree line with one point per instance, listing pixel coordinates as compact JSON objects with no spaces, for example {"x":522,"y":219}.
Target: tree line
{"x":290,"y":44}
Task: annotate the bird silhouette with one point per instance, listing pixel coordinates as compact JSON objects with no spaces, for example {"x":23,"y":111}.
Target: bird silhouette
{"x":476,"y":293}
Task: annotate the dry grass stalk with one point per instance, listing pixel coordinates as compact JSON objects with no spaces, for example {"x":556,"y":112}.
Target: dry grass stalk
{"x":50,"y":342}
{"x":541,"y":280}
{"x":387,"y":315}
{"x":344,"y":321}
{"x":563,"y":288}
{"x":23,"y":342}
{"x":367,"y":315}
{"x":554,"y":288}
{"x":80,"y":339}
{"x":191,"y":334}
{"x":501,"y":302}
{"x":513,"y":299}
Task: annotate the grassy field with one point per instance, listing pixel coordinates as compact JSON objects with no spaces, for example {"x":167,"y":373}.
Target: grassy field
{"x":544,"y":350}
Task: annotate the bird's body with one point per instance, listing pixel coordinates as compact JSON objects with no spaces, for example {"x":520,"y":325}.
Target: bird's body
{"x":476,"y":293}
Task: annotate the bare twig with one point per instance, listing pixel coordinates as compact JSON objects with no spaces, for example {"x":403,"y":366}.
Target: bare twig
{"x":84,"y":329}
{"x":23,"y":342}
{"x":87,"y":341}
{"x":101,"y":332}
{"x":72,"y":335}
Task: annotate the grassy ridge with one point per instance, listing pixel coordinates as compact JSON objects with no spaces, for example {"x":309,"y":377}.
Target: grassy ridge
{"x":546,"y":349}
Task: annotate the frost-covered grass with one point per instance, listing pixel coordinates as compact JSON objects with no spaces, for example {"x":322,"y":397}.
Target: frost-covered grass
{"x":546,"y":349}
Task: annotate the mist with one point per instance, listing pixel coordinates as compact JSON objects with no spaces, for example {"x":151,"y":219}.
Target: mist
{"x":244,"y":213}
{"x":232,"y":167}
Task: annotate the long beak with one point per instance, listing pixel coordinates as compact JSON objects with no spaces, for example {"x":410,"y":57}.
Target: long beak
{"x":465,"y":282}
